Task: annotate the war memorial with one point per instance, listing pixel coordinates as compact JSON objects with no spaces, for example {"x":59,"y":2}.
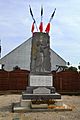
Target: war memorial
{"x":40,"y":94}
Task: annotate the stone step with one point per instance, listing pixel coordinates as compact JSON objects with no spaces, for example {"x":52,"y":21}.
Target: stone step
{"x":41,"y":96}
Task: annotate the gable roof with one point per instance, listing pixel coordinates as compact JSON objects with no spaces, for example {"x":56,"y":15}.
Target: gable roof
{"x":27,"y":42}
{"x":22,"y":59}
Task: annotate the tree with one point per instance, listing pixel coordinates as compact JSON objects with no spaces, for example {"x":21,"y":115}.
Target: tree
{"x":72,"y":68}
{"x":79,"y":67}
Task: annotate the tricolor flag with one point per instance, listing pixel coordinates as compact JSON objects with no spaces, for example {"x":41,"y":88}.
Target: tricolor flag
{"x":34,"y":22}
{"x":52,"y":15}
{"x":41,"y":24}
{"x":47,"y":28}
{"x":31,"y":12}
{"x":41,"y":27}
{"x":32,"y":29}
{"x":48,"y":25}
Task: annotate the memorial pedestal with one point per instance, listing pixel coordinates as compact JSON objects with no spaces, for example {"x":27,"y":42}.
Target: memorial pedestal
{"x":41,"y":88}
{"x":40,"y":80}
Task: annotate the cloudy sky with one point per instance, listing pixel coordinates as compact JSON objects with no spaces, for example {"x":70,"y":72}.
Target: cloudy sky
{"x":15,"y":25}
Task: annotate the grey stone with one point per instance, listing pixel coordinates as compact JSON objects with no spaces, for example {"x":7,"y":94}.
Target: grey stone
{"x":40,"y":53}
{"x":30,"y":89}
{"x":41,"y":90}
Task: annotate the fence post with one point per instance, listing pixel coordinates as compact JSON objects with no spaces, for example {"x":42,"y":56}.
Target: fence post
{"x":61,"y":85}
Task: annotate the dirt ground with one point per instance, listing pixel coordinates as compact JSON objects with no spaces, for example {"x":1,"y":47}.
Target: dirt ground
{"x":6,"y":114}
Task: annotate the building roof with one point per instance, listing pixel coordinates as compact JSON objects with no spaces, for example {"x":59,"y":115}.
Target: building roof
{"x":22,"y":53}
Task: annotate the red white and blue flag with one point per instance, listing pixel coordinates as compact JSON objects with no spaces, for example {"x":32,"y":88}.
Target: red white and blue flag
{"x":34,"y":21}
{"x":41,"y":23}
{"x":48,"y":25}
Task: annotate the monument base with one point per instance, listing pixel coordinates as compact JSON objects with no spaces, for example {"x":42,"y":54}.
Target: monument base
{"x":40,"y":88}
{"x":42,"y":106}
{"x":26,"y":96}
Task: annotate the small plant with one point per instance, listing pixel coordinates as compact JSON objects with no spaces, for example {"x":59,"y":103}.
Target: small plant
{"x":16,"y":68}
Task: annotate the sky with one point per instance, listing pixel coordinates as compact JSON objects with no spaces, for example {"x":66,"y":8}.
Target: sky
{"x":16,"y":22}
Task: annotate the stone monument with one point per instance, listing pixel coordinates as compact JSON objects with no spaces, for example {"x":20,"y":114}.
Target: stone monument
{"x":40,"y":92}
{"x":40,"y":85}
{"x":40,"y":95}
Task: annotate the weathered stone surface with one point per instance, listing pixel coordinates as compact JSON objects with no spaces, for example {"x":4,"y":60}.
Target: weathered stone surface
{"x":30,"y":89}
{"x":25,"y":103}
{"x":41,"y":80}
{"x":39,"y":106}
{"x":40,"y":53}
{"x":41,"y":90}
{"x":41,"y":96}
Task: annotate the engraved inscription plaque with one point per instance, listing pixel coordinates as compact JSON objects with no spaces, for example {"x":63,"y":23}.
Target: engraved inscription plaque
{"x":41,"y":80}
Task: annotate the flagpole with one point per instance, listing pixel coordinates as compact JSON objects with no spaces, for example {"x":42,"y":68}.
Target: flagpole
{"x":33,"y":18}
{"x":36,"y":26}
{"x":52,"y":15}
{"x":41,"y":13}
{"x":41,"y":23}
{"x":48,"y":25}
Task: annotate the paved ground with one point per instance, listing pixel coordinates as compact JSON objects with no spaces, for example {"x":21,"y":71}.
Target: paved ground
{"x":7,"y":100}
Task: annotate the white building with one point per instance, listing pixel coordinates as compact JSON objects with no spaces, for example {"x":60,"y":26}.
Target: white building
{"x":20,"y":57}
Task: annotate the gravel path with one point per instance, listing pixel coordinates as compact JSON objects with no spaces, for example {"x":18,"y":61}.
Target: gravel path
{"x":7,"y":100}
